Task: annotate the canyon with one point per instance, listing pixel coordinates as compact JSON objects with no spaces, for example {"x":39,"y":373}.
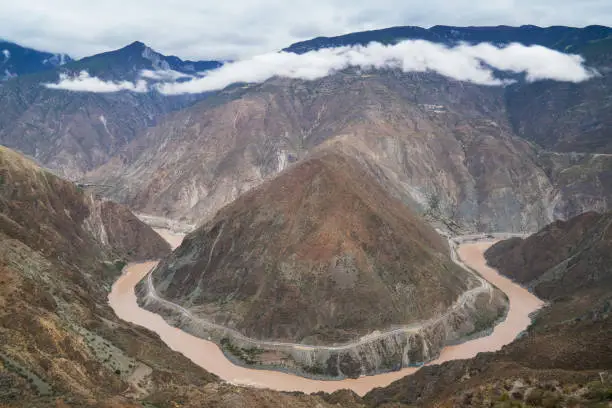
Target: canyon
{"x":360,"y":240}
{"x":209,"y":355}
{"x":347,"y":258}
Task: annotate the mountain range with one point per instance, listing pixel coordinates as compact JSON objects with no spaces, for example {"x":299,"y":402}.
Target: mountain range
{"x":569,"y":39}
{"x":17,"y":60}
{"x":510,"y":158}
{"x":320,"y":208}
{"x":63,"y":345}
{"x":73,"y":132}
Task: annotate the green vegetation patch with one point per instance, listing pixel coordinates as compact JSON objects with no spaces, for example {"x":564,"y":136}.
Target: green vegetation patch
{"x":248,"y":355}
{"x":42,"y":387}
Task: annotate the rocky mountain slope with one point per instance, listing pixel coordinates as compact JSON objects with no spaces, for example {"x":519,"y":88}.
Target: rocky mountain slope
{"x":562,"y":258}
{"x":73,"y":132}
{"x":127,"y":63}
{"x":448,"y":148}
{"x":16,"y":60}
{"x":60,"y":343}
{"x":566,"y":117}
{"x":35,"y":204}
{"x":322,"y":255}
{"x":58,"y":337}
{"x":565,"y":357}
{"x":479,"y":158}
{"x":443,"y":147}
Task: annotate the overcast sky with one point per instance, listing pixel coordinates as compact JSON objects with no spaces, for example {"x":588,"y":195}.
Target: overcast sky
{"x":207,"y":29}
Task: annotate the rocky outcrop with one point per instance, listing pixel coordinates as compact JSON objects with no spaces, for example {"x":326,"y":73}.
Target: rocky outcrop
{"x":116,"y":228}
{"x":321,"y":272}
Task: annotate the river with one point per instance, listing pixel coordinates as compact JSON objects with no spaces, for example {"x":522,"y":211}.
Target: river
{"x":207,"y":355}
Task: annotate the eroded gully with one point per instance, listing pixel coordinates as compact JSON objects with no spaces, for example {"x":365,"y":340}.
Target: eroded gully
{"x":207,"y":355}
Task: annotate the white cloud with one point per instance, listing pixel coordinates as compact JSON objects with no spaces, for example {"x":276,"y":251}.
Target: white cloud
{"x":536,"y":61}
{"x":471,"y":63}
{"x":464,"y":63}
{"x":83,"y":82}
{"x":241,"y":28}
{"x":7,"y":54}
{"x":163,"y":75}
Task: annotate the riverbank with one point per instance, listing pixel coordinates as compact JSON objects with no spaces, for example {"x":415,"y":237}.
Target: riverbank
{"x":209,"y":356}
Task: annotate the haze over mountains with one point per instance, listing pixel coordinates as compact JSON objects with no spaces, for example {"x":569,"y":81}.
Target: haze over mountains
{"x":320,"y":179}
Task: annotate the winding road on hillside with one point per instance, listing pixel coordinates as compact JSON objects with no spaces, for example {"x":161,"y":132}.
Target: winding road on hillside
{"x":466,"y":251}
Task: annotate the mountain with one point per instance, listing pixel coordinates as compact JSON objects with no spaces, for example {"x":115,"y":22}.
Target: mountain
{"x":126,"y":63}
{"x":62,"y":345}
{"x":56,"y":269}
{"x":16,"y":60}
{"x":73,"y":132}
{"x":564,"y":357}
{"x":562,"y":258}
{"x":322,"y":255}
{"x":445,"y":148}
{"x":559,"y":116}
{"x":568,"y":117}
{"x":556,"y":37}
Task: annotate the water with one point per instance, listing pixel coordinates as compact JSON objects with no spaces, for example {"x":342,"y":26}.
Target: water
{"x":207,"y":355}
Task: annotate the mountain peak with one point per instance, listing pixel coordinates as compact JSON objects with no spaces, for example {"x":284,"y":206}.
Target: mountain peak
{"x":136,"y":44}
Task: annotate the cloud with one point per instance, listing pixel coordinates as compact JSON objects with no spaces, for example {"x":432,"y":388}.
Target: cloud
{"x":7,"y":55}
{"x":242,"y":28}
{"x":464,"y":63}
{"x":470,"y":63}
{"x":163,"y":75}
{"x":83,"y":82}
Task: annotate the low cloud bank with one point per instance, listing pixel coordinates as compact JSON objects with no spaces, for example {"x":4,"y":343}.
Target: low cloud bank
{"x":471,"y":63}
{"x":163,"y":75}
{"x":83,"y":82}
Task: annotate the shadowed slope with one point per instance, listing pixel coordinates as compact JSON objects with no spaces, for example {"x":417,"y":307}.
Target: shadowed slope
{"x":565,"y":357}
{"x":562,"y":258}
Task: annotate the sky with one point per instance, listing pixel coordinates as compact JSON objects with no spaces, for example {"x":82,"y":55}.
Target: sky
{"x":239,"y":29}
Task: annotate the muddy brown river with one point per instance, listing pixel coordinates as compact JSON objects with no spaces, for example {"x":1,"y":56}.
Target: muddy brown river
{"x":207,"y":355}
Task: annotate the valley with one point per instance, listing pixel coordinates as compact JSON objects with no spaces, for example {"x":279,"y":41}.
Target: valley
{"x":395,"y":218}
{"x":208,"y":355}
